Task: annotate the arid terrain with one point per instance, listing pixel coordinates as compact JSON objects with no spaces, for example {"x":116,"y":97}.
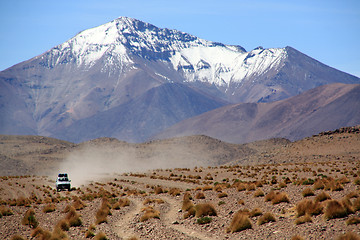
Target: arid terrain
{"x":183,"y":188}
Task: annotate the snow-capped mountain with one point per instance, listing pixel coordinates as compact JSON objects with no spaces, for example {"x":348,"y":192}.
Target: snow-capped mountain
{"x":111,"y":65}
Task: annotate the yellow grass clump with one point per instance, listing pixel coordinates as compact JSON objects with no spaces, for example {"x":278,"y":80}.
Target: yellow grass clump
{"x":123,"y":202}
{"x":205,"y":209}
{"x":267,"y":217}
{"x":149,"y":212}
{"x":100,"y":236}
{"x":303,"y":219}
{"x":309,"y":207}
{"x":49,"y":208}
{"x":335,"y":209}
{"x":349,"y":236}
{"x":29,"y":218}
{"x":239,"y":223}
{"x":73,"y":217}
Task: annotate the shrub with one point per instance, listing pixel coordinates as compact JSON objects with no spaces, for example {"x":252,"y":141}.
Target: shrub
{"x":270,"y":196}
{"x":149,"y":212}
{"x":58,"y":233}
{"x":309,"y":207}
{"x":349,"y":236}
{"x":335,"y":209}
{"x":267,"y":217}
{"x":5,"y":211}
{"x":73,"y":217}
{"x":259,"y":193}
{"x":78,"y":204}
{"x":241,"y":202}
{"x":40,"y":233}
{"x":63,"y":224}
{"x":158,"y":190}
{"x":174,"y":192}
{"x":123,"y":202}
{"x":241,"y":187}
{"x":307,"y":192}
{"x":322,"y":197}
{"x":280,"y":197}
{"x":205,"y":209}
{"x":353,"y":220}
{"x":100,"y":236}
{"x":204,"y":220}
{"x":200,"y":195}
{"x":90,"y":232}
{"x":356,"y":204}
{"x":255,"y":212}
{"x":49,"y":208}
{"x":222,"y":195}
{"x":357,"y":181}
{"x":187,"y":205}
{"x":251,"y":187}
{"x":17,"y":237}
{"x":207,"y":188}
{"x":318,"y":185}
{"x":303,"y":219}
{"x":29,"y":218}
{"x":239,"y":223}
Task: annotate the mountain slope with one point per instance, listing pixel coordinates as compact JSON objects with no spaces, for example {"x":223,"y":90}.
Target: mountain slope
{"x":144,"y":116}
{"x":323,"y":108}
{"x":105,"y":67}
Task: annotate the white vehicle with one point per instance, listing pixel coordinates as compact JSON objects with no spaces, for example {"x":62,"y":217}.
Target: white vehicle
{"x":63,"y":182}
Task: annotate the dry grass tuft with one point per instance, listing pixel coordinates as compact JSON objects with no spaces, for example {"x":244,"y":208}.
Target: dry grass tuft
{"x":353,"y":220}
{"x":259,"y":193}
{"x":318,"y":185}
{"x":267,"y":217}
{"x":241,"y":187}
{"x":222,"y":195}
{"x":280,"y":197}
{"x":187,"y":205}
{"x":239,"y":223}
{"x":322,"y":197}
{"x":158,"y":190}
{"x":17,"y":237}
{"x":308,"y":207}
{"x":149,"y":212}
{"x":5,"y":211}
{"x":356,"y":204}
{"x":308,"y":192}
{"x":205,"y":209}
{"x":207,"y":188}
{"x":303,"y":219}
{"x":78,"y":204}
{"x":40,"y":233}
{"x":349,"y":236}
{"x":297,"y":237}
{"x":63,"y":224}
{"x":174,"y":192}
{"x":49,"y":208}
{"x":123,"y":202}
{"x":255,"y":212}
{"x":200,"y":195}
{"x":90,"y":231}
{"x":335,"y":209}
{"x":29,"y":218}
{"x":58,"y":233}
{"x":73,"y":217}
{"x":100,"y":236}
{"x":103,"y":212}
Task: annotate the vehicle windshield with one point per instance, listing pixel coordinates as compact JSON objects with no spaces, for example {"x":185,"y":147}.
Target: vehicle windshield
{"x":63,"y":179}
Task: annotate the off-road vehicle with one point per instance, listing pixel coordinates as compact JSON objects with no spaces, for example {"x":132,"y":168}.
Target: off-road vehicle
{"x":63,"y":182}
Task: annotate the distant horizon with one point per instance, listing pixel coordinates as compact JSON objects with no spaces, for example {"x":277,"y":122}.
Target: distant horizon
{"x":327,"y":31}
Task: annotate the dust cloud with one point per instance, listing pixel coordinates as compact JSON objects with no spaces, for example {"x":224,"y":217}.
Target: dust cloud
{"x":92,"y":163}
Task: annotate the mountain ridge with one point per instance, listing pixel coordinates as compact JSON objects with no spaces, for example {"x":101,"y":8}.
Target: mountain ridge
{"x":110,"y":65}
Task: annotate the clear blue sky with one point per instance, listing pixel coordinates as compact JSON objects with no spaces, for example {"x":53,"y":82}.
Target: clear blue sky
{"x":327,"y":30}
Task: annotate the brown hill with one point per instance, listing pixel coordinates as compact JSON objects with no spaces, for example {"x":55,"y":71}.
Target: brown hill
{"x":321,"y":109}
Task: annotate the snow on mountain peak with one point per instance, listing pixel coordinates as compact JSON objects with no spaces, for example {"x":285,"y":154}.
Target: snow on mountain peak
{"x":196,"y":59}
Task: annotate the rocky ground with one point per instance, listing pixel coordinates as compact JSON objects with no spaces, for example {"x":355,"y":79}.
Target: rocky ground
{"x":170,"y":203}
